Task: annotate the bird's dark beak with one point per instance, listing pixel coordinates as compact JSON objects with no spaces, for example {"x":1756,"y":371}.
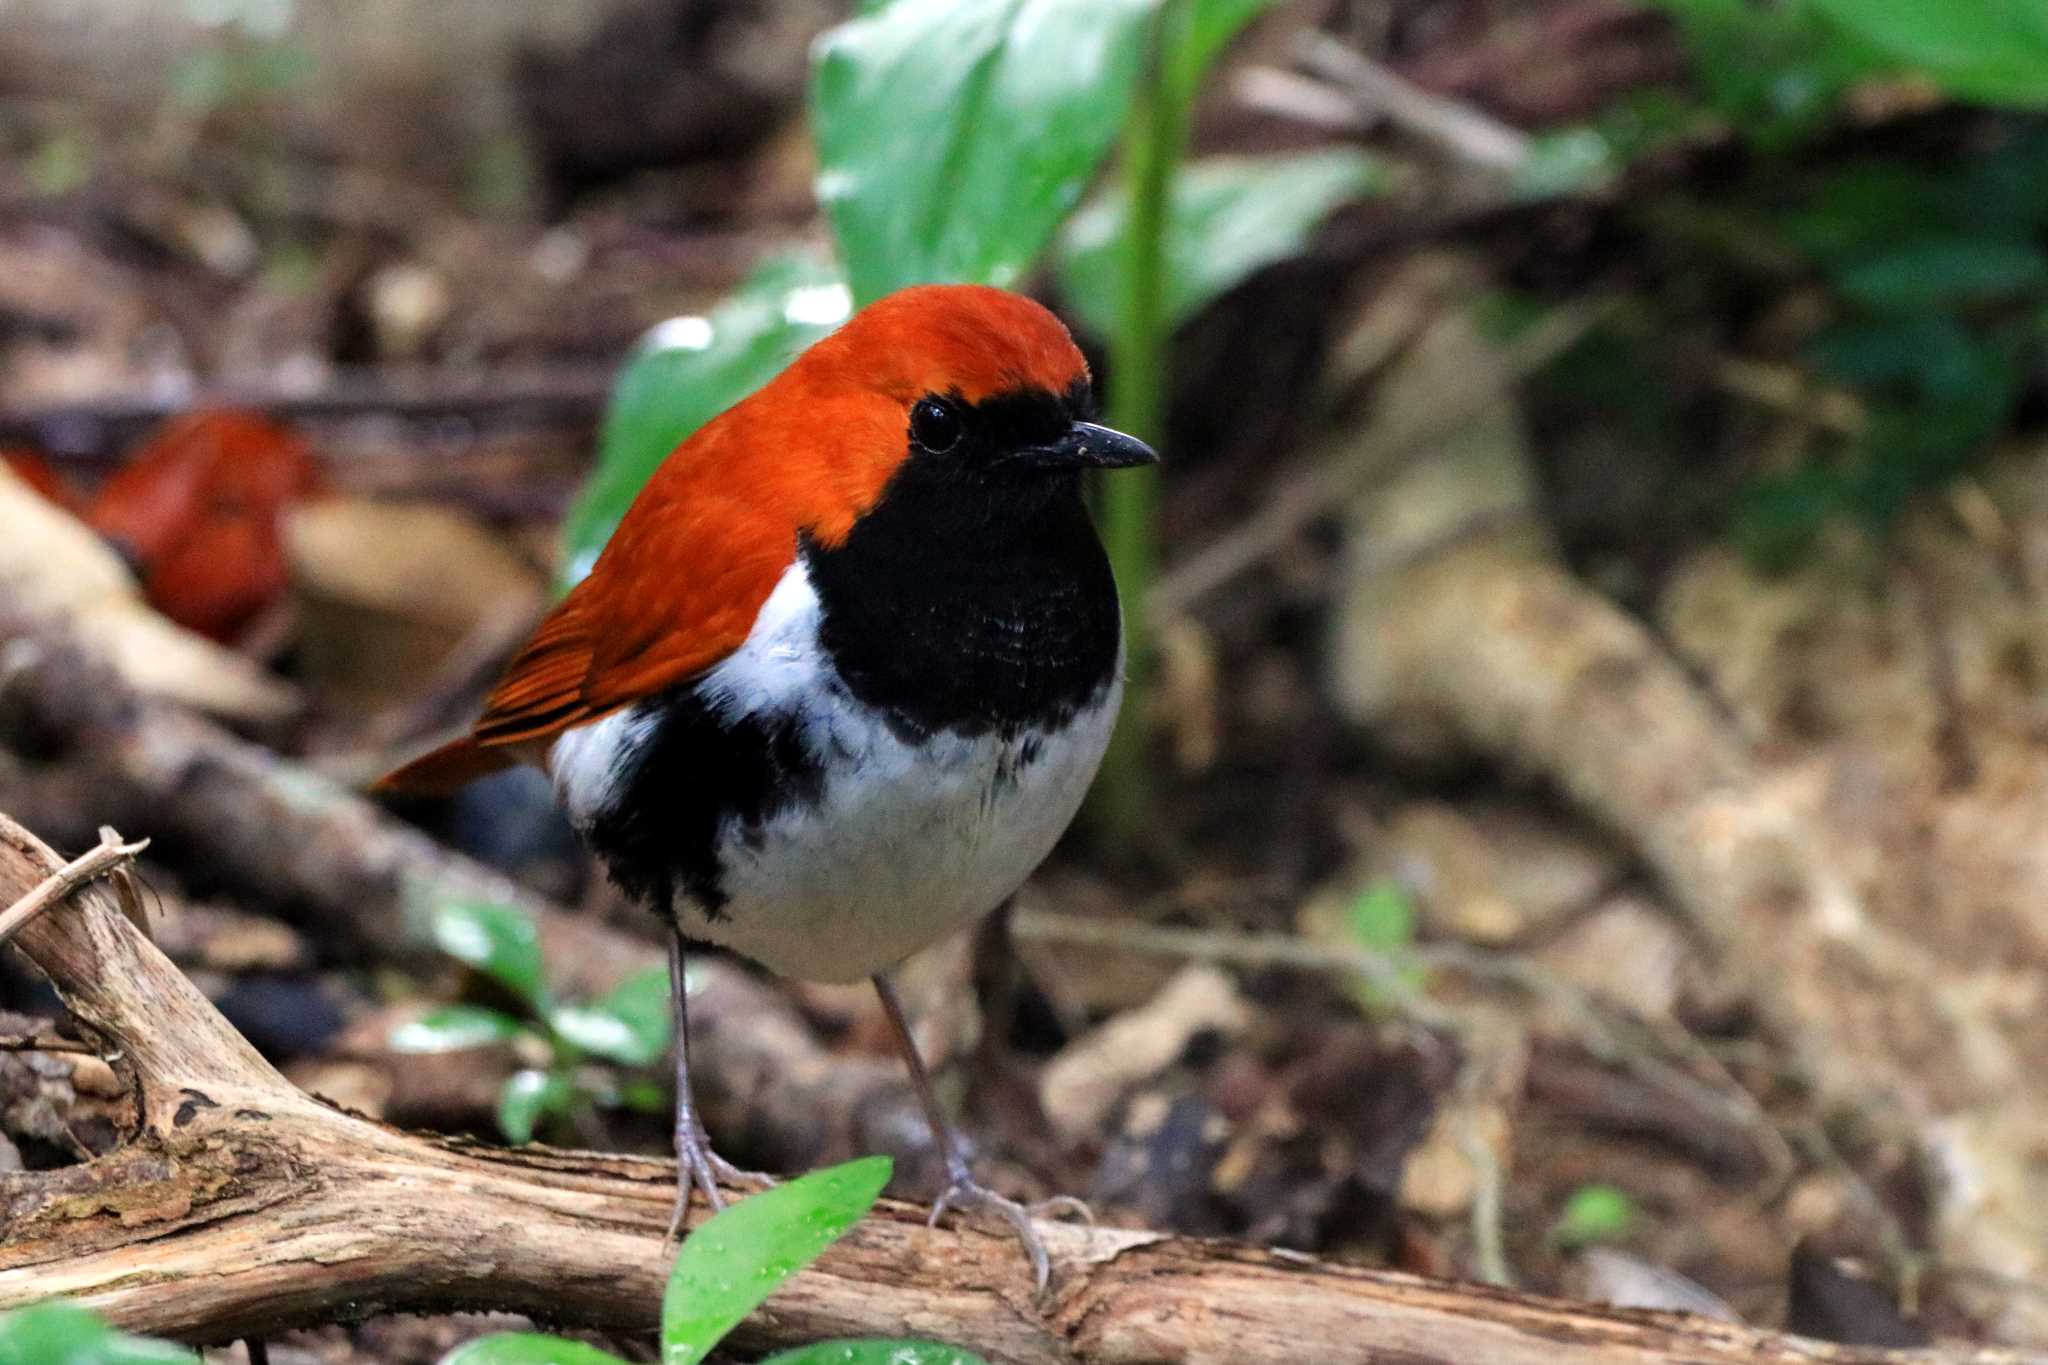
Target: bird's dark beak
{"x":1088,"y":446}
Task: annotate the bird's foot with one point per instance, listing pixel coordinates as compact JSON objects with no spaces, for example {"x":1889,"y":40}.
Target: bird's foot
{"x":969,"y":1195}
{"x":700,"y":1168}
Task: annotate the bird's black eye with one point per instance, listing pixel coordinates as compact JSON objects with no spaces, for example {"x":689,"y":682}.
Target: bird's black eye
{"x":935,"y":426}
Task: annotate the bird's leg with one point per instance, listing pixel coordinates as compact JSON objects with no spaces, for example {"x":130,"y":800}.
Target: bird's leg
{"x":696,"y":1164}
{"x":962,"y":1189}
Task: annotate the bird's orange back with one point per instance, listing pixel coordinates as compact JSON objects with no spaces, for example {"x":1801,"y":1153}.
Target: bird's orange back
{"x":679,"y":584}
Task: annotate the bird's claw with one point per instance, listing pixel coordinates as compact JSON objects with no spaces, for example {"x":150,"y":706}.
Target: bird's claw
{"x":698,"y":1167}
{"x":965,"y":1193}
{"x":730,"y":1174}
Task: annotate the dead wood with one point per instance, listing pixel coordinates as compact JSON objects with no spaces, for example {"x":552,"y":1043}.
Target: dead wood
{"x":245,"y":1206}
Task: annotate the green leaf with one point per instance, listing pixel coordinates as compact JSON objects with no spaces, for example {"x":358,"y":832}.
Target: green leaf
{"x":685,"y":372}
{"x":955,"y":135}
{"x":1925,"y":354}
{"x":1563,"y":162}
{"x":63,"y":1334}
{"x":528,"y":1097}
{"x":741,"y":1256}
{"x":1942,"y":271}
{"x":1383,"y":919}
{"x":875,"y":1351}
{"x":453,"y":1028}
{"x":1594,"y":1213}
{"x":1208,"y":28}
{"x":1228,"y":217}
{"x":497,"y":940}
{"x":631,"y":1025}
{"x":527,"y":1348}
{"x":1989,"y":50}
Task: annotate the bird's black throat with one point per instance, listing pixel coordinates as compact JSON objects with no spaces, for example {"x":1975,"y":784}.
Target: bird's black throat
{"x":970,"y":599}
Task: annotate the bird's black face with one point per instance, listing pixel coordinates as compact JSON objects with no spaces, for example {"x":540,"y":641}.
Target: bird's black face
{"x":1023,"y":436}
{"x":974,"y":594}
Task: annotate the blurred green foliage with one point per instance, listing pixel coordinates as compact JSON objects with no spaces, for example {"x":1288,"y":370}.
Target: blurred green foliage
{"x":628,"y":1027}
{"x":1932,"y":266}
{"x":59,"y":1334}
{"x":1382,"y":921}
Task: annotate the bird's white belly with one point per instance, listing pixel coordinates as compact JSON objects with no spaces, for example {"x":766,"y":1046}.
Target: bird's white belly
{"x":906,"y":842}
{"x":906,"y":838}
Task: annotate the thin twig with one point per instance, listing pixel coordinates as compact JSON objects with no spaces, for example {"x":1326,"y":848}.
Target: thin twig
{"x":42,"y":1042}
{"x":96,"y":862}
{"x":1467,"y":134}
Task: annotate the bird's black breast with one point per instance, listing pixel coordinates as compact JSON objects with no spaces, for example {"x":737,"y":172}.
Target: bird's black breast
{"x":949,"y":609}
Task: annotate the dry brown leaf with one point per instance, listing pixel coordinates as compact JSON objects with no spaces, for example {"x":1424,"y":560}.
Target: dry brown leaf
{"x":387,"y":590}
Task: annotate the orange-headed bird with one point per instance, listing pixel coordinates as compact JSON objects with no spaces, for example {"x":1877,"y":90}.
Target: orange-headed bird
{"x":843,"y":674}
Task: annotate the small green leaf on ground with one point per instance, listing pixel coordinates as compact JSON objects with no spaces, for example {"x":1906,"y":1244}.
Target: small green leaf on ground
{"x":1228,"y":217}
{"x":629,"y":1025}
{"x":685,"y":372}
{"x":453,"y":1028}
{"x":528,"y":1097}
{"x":1382,"y":920}
{"x":955,"y":135}
{"x":1594,"y":1213}
{"x":876,"y":1352}
{"x":730,"y":1264}
{"x":497,"y":940}
{"x":1567,"y":161}
{"x":527,"y":1348}
{"x":61,"y":1334}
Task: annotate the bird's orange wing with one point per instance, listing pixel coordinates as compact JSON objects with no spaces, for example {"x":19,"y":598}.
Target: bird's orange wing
{"x":675,"y":591}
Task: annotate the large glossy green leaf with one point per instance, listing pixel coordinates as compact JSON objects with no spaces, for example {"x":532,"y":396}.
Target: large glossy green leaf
{"x":497,"y":940}
{"x":629,"y":1025}
{"x":1229,"y":216}
{"x":454,"y":1028}
{"x":1990,"y":50}
{"x":874,"y":1351}
{"x":737,"y":1259}
{"x":527,"y":1348}
{"x":954,"y":135}
{"x":60,"y":1334}
{"x":687,"y":371}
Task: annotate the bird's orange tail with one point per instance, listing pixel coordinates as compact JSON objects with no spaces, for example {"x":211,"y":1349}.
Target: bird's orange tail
{"x":442,"y":771}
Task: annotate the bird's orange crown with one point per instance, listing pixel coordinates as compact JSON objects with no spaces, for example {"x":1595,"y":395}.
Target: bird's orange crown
{"x":679,"y":584}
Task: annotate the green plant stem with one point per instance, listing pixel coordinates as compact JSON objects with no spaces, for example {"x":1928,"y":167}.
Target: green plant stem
{"x":1138,"y":385}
